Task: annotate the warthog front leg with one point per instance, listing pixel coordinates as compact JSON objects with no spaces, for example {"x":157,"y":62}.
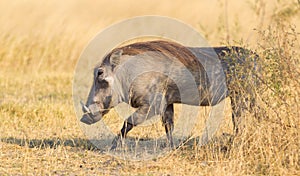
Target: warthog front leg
{"x":135,"y":119}
{"x":168,"y":122}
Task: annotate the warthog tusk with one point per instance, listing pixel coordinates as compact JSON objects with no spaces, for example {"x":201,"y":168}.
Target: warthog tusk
{"x":85,"y":107}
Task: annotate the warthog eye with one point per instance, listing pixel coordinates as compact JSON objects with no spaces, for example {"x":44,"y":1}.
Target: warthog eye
{"x":99,"y":71}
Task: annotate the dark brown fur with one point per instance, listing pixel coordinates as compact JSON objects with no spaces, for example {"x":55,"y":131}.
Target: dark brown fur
{"x":169,"y":49}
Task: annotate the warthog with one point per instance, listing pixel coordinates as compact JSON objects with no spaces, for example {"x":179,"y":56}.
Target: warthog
{"x":152,"y":76}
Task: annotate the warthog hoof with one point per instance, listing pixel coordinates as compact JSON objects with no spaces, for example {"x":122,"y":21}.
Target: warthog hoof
{"x":117,"y":142}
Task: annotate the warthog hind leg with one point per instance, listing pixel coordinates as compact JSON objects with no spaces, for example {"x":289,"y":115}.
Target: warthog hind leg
{"x":168,"y":122}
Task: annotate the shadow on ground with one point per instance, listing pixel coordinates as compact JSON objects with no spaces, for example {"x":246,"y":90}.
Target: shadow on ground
{"x":50,"y":143}
{"x":223,"y":141}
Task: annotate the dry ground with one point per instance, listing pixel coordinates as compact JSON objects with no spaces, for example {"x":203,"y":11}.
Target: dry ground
{"x":42,"y":40}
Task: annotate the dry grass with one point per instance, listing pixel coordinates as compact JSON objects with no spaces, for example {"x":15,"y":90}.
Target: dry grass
{"x":41,"y":42}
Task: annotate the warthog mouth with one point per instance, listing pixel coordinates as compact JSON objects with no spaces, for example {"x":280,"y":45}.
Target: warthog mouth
{"x":92,"y":113}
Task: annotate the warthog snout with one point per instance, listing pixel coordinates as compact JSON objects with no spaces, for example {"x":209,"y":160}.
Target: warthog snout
{"x":91,"y":114}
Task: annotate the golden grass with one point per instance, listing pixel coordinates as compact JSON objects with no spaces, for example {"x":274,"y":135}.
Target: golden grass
{"x":41,"y":42}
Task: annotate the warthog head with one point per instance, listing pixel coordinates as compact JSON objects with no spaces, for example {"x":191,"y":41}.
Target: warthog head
{"x":100,"y":97}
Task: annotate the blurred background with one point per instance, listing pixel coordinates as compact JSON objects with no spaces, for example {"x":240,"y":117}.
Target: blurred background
{"x":51,"y":34}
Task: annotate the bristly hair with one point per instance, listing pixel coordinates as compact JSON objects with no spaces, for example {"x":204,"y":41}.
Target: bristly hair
{"x":169,"y":49}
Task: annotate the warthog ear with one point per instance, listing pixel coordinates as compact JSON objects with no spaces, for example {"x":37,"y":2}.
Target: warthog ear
{"x":115,"y":57}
